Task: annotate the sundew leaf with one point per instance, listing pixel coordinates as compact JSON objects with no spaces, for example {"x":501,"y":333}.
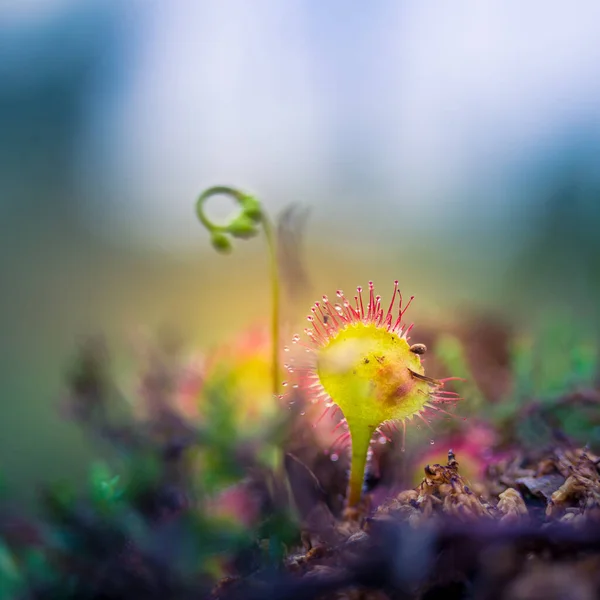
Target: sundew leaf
{"x":361,"y":361}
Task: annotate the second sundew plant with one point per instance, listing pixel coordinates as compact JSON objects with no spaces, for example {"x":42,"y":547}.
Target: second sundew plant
{"x":362,"y":361}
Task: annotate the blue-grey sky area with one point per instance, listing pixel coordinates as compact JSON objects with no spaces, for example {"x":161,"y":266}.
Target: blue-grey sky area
{"x":441,"y":110}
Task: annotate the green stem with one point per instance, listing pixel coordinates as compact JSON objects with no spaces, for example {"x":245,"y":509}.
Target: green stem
{"x":245,"y":225}
{"x":360,"y":435}
{"x":275,"y":300}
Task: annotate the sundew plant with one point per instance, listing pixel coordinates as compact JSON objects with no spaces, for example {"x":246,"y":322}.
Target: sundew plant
{"x":364,"y":363}
{"x":362,"y":360}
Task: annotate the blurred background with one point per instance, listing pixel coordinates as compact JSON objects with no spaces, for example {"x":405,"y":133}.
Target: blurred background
{"x":454,"y":147}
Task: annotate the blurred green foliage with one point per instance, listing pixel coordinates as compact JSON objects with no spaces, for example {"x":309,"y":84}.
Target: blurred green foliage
{"x":172,"y":511}
{"x":553,"y":382}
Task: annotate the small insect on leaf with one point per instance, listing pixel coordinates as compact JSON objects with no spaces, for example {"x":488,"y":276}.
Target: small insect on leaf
{"x":418,"y":348}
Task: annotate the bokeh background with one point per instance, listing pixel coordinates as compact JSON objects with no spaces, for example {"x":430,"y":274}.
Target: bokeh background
{"x":454,"y":146}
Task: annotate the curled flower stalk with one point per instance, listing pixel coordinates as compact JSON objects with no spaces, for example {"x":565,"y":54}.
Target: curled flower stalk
{"x":364,"y":364}
{"x":244,"y":226}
